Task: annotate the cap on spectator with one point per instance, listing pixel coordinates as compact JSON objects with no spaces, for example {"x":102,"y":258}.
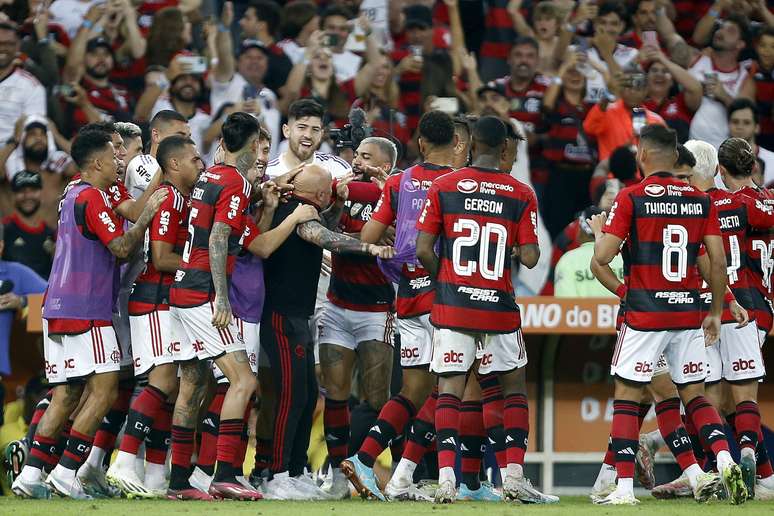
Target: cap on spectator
{"x":490,"y":86}
{"x":35,"y":122}
{"x":247,"y":44}
{"x":94,"y":43}
{"x":587,"y":214}
{"x":26,"y":179}
{"x":418,"y":16}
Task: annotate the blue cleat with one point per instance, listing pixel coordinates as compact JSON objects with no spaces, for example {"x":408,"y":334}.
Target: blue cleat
{"x":363,"y":478}
{"x":485,"y":493}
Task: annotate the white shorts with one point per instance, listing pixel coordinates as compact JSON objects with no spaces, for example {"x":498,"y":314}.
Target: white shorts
{"x":192,"y":328}
{"x":250,"y":334}
{"x":762,"y":334}
{"x":714,"y":364}
{"x":737,"y":356}
{"x":151,"y":334}
{"x":416,"y":341}
{"x":637,"y":352}
{"x":348,"y":328}
{"x":69,"y":357}
{"x":121,"y":326}
{"x":455,"y":352}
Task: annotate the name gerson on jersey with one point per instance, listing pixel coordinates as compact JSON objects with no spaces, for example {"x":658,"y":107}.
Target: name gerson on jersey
{"x":480,"y":215}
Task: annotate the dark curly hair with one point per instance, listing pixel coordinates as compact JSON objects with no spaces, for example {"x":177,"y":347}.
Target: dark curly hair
{"x":737,"y":157}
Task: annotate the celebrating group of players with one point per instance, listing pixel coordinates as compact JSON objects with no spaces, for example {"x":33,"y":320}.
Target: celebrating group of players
{"x":220,"y":298}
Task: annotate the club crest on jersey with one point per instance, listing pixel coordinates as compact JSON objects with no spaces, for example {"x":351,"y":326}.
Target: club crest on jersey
{"x":467,"y":186}
{"x":654,"y":190}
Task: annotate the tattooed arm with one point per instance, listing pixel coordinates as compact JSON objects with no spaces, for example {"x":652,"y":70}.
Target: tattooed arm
{"x":122,"y":246}
{"x":680,"y":52}
{"x":218,"y":256}
{"x":315,"y":233}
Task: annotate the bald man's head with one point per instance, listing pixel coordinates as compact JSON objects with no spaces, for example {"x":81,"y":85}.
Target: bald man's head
{"x":314,"y":184}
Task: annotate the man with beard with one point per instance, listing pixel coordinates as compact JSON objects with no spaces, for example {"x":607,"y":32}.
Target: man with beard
{"x":20,"y":92}
{"x":184,"y":95}
{"x":92,"y":61}
{"x":304,"y":132}
{"x":243,"y":82}
{"x":356,"y":322}
{"x":261,"y":21}
{"x":28,"y":239}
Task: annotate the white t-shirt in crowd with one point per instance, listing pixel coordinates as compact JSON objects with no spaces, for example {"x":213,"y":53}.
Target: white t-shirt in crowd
{"x":768,"y":164}
{"x":293,"y":50}
{"x":346,"y":65}
{"x":595,"y":81}
{"x":333,"y":164}
{"x":710,"y":122}
{"x":233,"y":92}
{"x":70,"y":14}
{"x":20,"y":94}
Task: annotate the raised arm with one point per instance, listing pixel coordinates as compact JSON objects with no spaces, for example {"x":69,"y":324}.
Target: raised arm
{"x":315,"y":233}
{"x":225,"y":67}
{"x":691,"y":86}
{"x":365,"y":75}
{"x":680,"y":51}
{"x":702,"y":33}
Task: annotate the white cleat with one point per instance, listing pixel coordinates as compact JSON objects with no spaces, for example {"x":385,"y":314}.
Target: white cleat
{"x":617,"y":498}
{"x":446,"y":492}
{"x":336,"y":485}
{"x":706,"y":487}
{"x":37,"y":490}
{"x":521,"y":489}
{"x":67,"y":488}
{"x":763,"y":493}
{"x":94,"y":482}
{"x":201,"y":481}
{"x":401,"y":489}
{"x":127,"y":481}
{"x":601,"y":491}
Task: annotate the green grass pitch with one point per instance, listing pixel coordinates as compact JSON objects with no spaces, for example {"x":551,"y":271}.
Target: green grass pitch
{"x":569,"y":506}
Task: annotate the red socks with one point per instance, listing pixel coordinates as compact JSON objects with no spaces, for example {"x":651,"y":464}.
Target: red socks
{"x":447,"y":424}
{"x":672,"y":430}
{"x":516,"y":424}
{"x":105,"y":438}
{"x":422,"y":432}
{"x":395,"y":414}
{"x":142,"y":413}
{"x":336,"y":423}
{"x":707,"y":420}
{"x":78,"y":447}
{"x":472,"y":442}
{"x":625,"y":436}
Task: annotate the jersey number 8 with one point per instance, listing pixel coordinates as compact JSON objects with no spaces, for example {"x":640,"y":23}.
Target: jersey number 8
{"x":674,"y":256}
{"x":481,"y":236}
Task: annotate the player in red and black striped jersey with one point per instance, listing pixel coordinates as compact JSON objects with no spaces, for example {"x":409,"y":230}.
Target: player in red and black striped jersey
{"x":153,"y":350}
{"x":437,"y":142}
{"x":480,"y":215}
{"x":746,"y":219}
{"x":356,"y":320}
{"x":662,"y":222}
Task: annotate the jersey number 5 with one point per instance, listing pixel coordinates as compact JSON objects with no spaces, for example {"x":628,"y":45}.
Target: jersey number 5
{"x":189,"y":240}
{"x":480,"y":236}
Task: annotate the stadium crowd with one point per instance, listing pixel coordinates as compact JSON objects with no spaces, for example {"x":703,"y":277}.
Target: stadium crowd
{"x":234,"y":210}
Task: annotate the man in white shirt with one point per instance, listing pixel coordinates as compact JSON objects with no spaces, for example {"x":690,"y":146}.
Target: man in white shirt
{"x":70,"y":14}
{"x":242,"y":83}
{"x":335,"y":22}
{"x":304,"y":132}
{"x":299,"y":21}
{"x":20,"y":92}
{"x":743,"y":123}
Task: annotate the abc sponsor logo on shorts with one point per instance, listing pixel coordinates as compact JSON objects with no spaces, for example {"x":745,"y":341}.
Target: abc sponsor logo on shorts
{"x":50,"y":368}
{"x":409,"y":353}
{"x":70,"y":363}
{"x":486,"y":359}
{"x":693,"y":368}
{"x":452,"y":357}
{"x":174,"y":347}
{"x":643,"y":367}
{"x":743,"y":365}
{"x":198,"y":346}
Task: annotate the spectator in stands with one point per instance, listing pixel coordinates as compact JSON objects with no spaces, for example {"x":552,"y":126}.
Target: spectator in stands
{"x":764,"y":86}
{"x":22,"y":281}
{"x":43,"y":42}
{"x":703,"y":29}
{"x":547,"y":17}
{"x":602,"y":49}
{"x":315,"y":77}
{"x":499,"y":34}
{"x":743,"y":123}
{"x":423,"y":68}
{"x":20,"y":92}
{"x":184,"y":94}
{"x":299,"y":21}
{"x":718,"y":68}
{"x":382,"y":101}
{"x":261,"y":21}
{"x":619,"y":123}
{"x":573,"y":276}
{"x":675,"y":106}
{"x":335,"y":22}
{"x":570,"y":156}
{"x":169,"y":33}
{"x":28,"y":240}
{"x":70,"y":14}
{"x":621,"y":165}
{"x":643,"y":19}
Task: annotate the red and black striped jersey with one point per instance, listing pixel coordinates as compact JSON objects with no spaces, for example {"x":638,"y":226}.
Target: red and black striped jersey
{"x":675,"y":113}
{"x":170,"y":225}
{"x":565,"y":145}
{"x":480,"y":215}
{"x":221,"y":195}
{"x":499,"y":34}
{"x":663,"y":223}
{"x":760,"y":251}
{"x":738,"y":215}
{"x":357,"y":282}
{"x":764,"y":98}
{"x":415,"y":289}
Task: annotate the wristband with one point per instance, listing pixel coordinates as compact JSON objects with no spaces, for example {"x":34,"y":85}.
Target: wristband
{"x":714,"y":13}
{"x":87,"y":24}
{"x":222,"y":28}
{"x":98,"y":29}
{"x":729,"y":297}
{"x":557,"y":81}
{"x":621,"y":291}
{"x":569,"y":27}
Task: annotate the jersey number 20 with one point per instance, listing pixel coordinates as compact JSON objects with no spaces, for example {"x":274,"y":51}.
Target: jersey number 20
{"x":481,"y":236}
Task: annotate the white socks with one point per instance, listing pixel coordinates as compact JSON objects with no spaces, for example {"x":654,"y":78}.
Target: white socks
{"x":692,"y":472}
{"x":445,"y":474}
{"x":124,"y":460}
{"x":606,"y":476}
{"x":30,"y":474}
{"x":625,"y":486}
{"x":64,"y":473}
{"x":724,"y":460}
{"x":96,"y":456}
{"x":404,"y":472}
{"x":155,"y":475}
{"x":512,"y":470}
{"x":655,"y":440}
